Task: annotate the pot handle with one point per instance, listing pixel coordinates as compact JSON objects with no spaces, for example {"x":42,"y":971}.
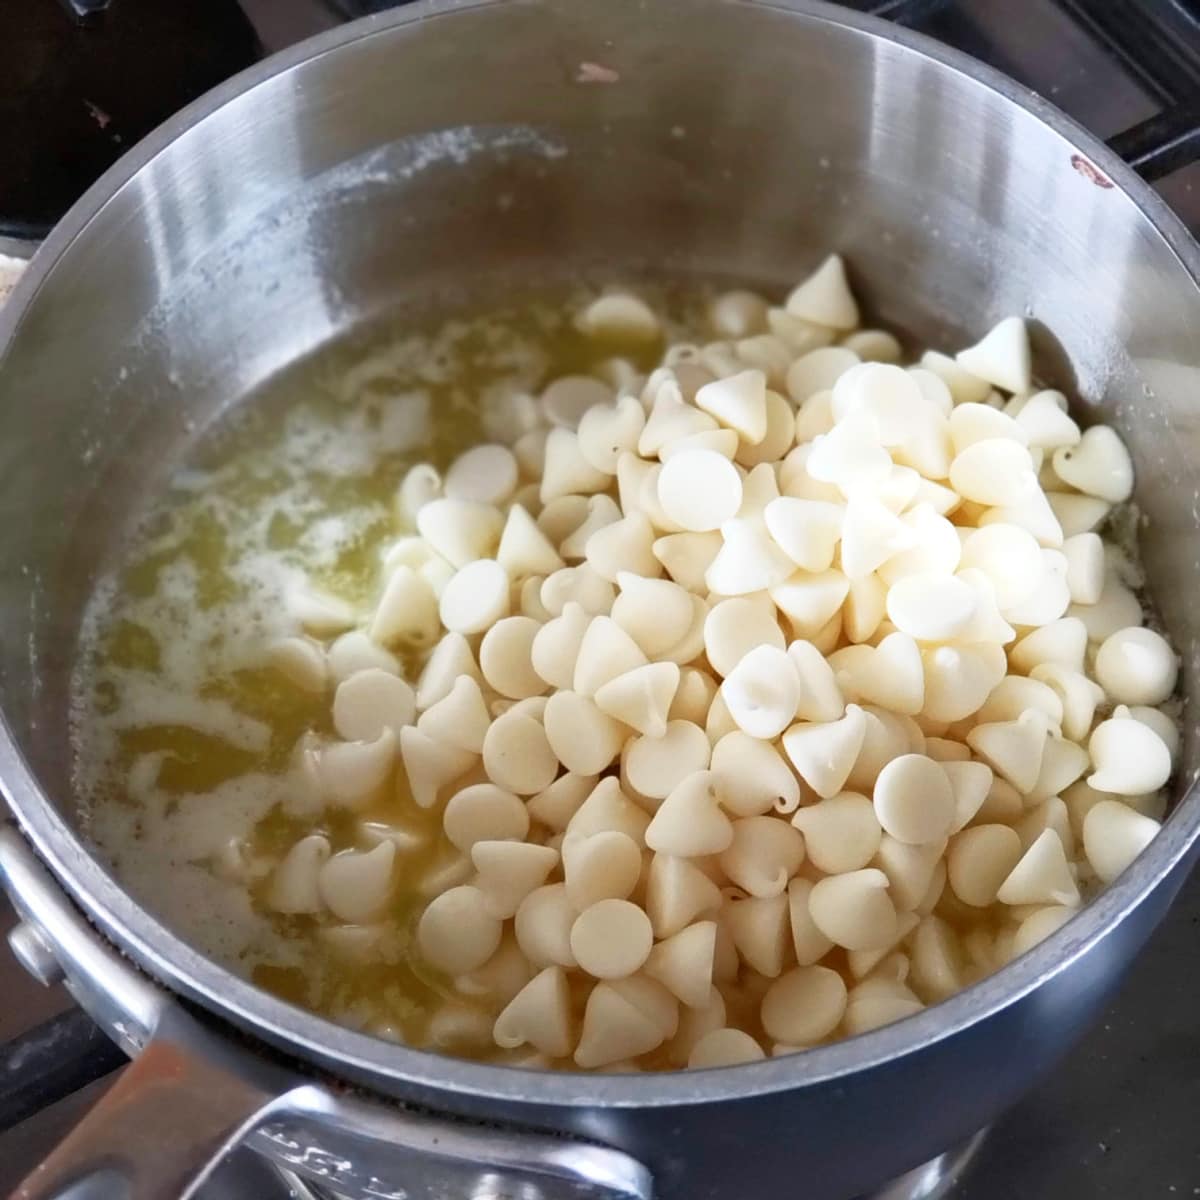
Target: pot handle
{"x":157,"y":1134}
{"x":193,"y":1093}
{"x":185,"y":1100}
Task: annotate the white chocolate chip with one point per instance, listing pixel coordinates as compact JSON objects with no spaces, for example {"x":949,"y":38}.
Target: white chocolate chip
{"x":804,"y":1006}
{"x":748,"y":561}
{"x":979,"y":860}
{"x":569,"y":398}
{"x":734,"y":627}
{"x":508,"y":870}
{"x":371,"y":701}
{"x":683,"y":963}
{"x":914,"y":800}
{"x":517,"y":754}
{"x":566,"y":472}
{"x":607,"y":807}
{"x":1137,"y":666}
{"x":1043,"y":875}
{"x":614,"y":1029}
{"x":854,"y":910}
{"x":763,"y":692}
{"x":1046,"y":422}
{"x":656,"y":613}
{"x":420,"y":485}
{"x":964,"y":387}
{"x":506,"y":658}
{"x":1113,"y":836}
{"x":816,"y":372}
{"x":355,"y":651}
{"x":584,"y":738}
{"x":619,"y":316}
{"x":431,"y":764}
{"x":874,"y":345}
{"x":460,"y":530}
{"x":407,"y":613}
{"x":605,"y":651}
{"x":737,"y":314}
{"x":1098,"y":466}
{"x":738,"y":403}
{"x":524,"y":549}
{"x":1001,"y":357}
{"x":1038,"y":926}
{"x":611,"y":939}
{"x":655,"y":766}
{"x":456,"y":933}
{"x":824,"y":752}
{"x":699,"y":490}
{"x":751,"y":778}
{"x":840,"y":834}
{"x":487,"y":474}
{"x":807,"y":531}
{"x":758,"y":927}
{"x":764,"y":854}
{"x":641,"y":698}
{"x":483,"y":812}
{"x":1077,"y":514}
{"x":1013,"y":748}
{"x":824,"y":298}
{"x":604,"y":866}
{"x":971,"y":423}
{"x":476,"y":598}
{"x":625,"y":545}
{"x":354,"y":773}
{"x":555,"y":647}
{"x":689,"y":822}
{"x":357,"y":885}
{"x":294,"y":885}
{"x":1130,"y":759}
{"x":932,"y":608}
{"x":302,"y":662}
{"x":606,"y":431}
{"x":677,"y":892}
{"x":539,"y":1015}
{"x":993,"y":471}
{"x":724,"y":1048}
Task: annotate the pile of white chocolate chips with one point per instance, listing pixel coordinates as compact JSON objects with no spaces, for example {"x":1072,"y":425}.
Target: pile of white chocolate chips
{"x":763,"y":700}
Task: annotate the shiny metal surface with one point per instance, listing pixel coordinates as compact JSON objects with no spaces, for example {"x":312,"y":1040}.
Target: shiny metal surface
{"x":741,"y":139}
{"x":935,"y":1179}
{"x":193,"y":1093}
{"x":32,"y":949}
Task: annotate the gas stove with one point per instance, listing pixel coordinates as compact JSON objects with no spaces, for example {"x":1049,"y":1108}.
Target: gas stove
{"x":1116,"y":1120}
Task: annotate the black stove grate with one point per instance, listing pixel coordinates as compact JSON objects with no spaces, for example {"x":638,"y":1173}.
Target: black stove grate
{"x":50,"y":1062}
{"x":1155,"y":42}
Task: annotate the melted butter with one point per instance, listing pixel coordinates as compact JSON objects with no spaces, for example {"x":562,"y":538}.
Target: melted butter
{"x":184,"y":735}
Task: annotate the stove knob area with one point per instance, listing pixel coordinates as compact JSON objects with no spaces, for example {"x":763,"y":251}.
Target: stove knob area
{"x":34,"y":952}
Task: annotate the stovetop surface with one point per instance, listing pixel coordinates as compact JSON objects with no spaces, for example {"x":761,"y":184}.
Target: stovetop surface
{"x":1119,"y":1119}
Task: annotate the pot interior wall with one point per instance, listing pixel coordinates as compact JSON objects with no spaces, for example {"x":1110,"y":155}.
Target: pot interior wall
{"x":719,"y":139}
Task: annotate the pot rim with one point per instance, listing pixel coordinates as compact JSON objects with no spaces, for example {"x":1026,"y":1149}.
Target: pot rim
{"x":393,"y":1067}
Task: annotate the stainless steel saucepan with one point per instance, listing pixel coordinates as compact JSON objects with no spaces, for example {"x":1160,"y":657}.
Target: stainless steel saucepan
{"x":411,"y":156}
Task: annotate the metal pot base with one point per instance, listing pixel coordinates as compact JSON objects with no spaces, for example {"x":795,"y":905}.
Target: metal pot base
{"x":932,"y":1180}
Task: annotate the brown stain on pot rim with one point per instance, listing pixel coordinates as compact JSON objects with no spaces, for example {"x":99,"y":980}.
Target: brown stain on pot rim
{"x":1089,"y":170}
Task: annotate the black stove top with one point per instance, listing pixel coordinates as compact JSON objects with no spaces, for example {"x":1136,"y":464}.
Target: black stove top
{"x":85,"y":79}
{"x":77,"y":91}
{"x":1117,"y":1120}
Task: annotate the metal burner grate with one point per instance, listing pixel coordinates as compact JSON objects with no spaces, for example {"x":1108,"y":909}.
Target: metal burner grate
{"x":1155,"y":46}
